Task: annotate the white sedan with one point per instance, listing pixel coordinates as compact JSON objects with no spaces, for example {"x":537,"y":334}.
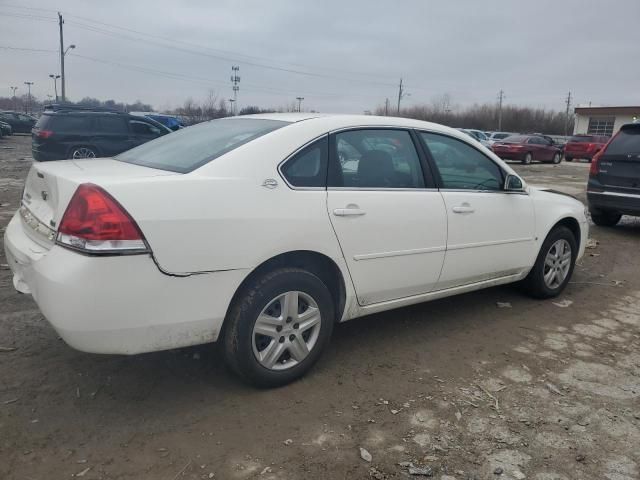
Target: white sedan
{"x":262,"y":232}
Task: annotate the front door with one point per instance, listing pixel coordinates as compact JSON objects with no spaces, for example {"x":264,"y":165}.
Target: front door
{"x":389,"y":219}
{"x":490,"y":231}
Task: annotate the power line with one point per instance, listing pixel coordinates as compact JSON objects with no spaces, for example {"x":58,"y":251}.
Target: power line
{"x":21,"y":49}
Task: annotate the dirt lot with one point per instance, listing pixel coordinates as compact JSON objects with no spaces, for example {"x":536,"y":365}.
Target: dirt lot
{"x":462,"y":387}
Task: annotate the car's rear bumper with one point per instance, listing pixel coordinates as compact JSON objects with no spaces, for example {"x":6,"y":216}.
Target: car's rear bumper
{"x":118,"y":304}
{"x":625,"y":203}
{"x":585,"y":155}
{"x":510,"y":155}
{"x":43,"y":156}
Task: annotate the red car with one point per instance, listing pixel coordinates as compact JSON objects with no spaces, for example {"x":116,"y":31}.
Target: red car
{"x":584,"y":146}
{"x":527,"y":148}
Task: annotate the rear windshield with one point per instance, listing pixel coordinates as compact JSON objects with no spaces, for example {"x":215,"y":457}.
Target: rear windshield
{"x":500,"y":136}
{"x":192,"y":147}
{"x":583,"y":139}
{"x":515,"y":139}
{"x":626,"y":142}
{"x":64,"y":123}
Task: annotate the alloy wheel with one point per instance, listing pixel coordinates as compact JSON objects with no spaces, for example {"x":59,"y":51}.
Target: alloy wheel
{"x":557,"y":264}
{"x":83,"y":152}
{"x":286,"y":330}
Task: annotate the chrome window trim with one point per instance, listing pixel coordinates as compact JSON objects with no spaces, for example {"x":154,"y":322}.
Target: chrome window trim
{"x":381,"y":189}
{"x":461,"y":190}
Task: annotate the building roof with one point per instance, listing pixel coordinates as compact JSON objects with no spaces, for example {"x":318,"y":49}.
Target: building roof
{"x":620,"y":110}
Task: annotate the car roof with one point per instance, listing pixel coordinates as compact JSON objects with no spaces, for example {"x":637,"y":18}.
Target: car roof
{"x":338,"y":120}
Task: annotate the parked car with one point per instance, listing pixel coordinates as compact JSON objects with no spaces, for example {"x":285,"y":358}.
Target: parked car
{"x":5,"y":129}
{"x":477,"y":135}
{"x":584,"y":146}
{"x":496,"y":136}
{"x":614,"y":178}
{"x":258,"y":232}
{"x":83,"y":132}
{"x":170,"y":121}
{"x":527,"y":148}
{"x":20,"y":122}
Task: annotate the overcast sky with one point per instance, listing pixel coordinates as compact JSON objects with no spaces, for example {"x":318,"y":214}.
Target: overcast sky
{"x":341,"y":56}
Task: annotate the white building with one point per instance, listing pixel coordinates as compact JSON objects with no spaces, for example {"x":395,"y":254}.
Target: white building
{"x":603,"y":120}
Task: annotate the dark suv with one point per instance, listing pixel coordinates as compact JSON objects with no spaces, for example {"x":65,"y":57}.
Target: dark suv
{"x":614,"y":178}
{"x":73,"y":132}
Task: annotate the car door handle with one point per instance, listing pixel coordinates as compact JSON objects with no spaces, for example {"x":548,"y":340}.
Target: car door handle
{"x":348,"y":212}
{"x":464,"y":208}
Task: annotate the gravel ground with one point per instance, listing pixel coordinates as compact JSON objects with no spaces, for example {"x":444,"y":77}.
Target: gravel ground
{"x":459,"y":388}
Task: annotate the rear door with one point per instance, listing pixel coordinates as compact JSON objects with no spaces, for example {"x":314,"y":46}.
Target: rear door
{"x":490,"y":231}
{"x":389,"y":219}
{"x":618,"y":169}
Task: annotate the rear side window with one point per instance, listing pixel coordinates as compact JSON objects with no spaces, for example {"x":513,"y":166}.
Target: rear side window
{"x":375,"y":158}
{"x":583,"y":139}
{"x":192,"y":147}
{"x":69,"y":124}
{"x":308,"y":168}
{"x":626,"y":142}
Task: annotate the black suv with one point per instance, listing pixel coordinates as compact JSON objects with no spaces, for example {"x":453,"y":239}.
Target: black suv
{"x":79,"y":132}
{"x":614,"y":178}
{"x":20,"y":123}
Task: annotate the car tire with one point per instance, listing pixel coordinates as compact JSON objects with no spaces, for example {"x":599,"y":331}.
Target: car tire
{"x":82,"y":151}
{"x":542,"y":282}
{"x":528,"y":158}
{"x":268,"y":359}
{"x":556,"y":159}
{"x":568,"y":159}
{"x":604,"y":218}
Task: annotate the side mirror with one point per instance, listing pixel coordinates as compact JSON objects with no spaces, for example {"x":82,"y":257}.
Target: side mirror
{"x":513,"y":183}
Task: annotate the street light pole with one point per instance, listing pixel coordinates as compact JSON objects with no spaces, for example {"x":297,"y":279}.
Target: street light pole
{"x":15,"y":103}
{"x":28,"y":84}
{"x":55,"y":84}
{"x":63,"y":52}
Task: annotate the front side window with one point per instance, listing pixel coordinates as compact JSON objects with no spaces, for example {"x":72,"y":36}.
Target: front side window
{"x":190,"y":148}
{"x":144,"y":128}
{"x":308,"y":168}
{"x":375,"y":158}
{"x":460,"y":165}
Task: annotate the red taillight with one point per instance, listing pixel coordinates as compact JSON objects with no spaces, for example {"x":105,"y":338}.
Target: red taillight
{"x":44,"y":133}
{"x":95,"y":222}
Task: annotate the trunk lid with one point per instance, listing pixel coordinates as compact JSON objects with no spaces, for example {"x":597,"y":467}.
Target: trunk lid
{"x":50,"y":185}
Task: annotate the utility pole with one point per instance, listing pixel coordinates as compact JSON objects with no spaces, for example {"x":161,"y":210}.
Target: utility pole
{"x":55,"y":84}
{"x":28,"y":107}
{"x":15,"y":102}
{"x":566,"y":118}
{"x":400,"y":95}
{"x":500,"y":99}
{"x":235,"y":85}
{"x":63,"y":52}
{"x":232,"y":101}
{"x":386,"y":107}
{"x":299,"y":103}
